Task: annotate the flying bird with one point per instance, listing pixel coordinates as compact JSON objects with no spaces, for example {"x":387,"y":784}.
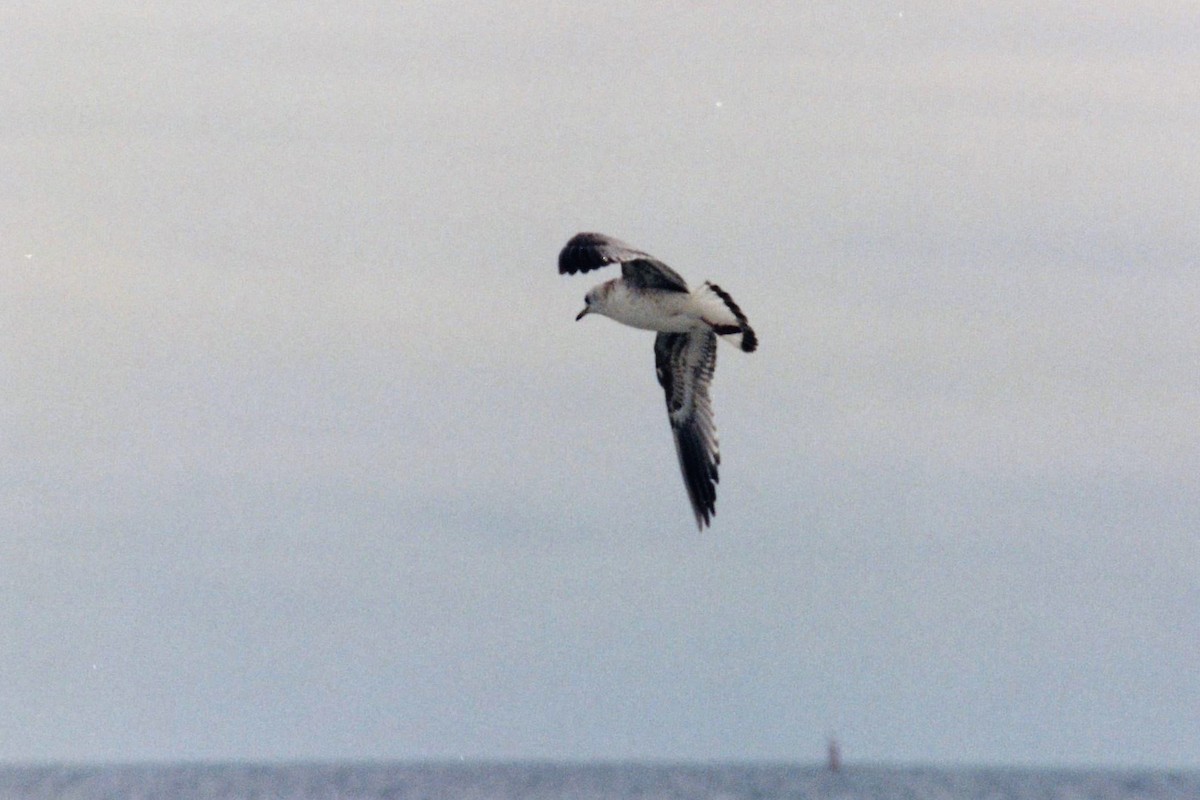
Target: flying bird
{"x":652,"y":296}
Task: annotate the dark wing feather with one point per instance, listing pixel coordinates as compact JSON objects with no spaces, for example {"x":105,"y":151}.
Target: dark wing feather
{"x":650,"y":273}
{"x":588,"y":251}
{"x":685,"y":364}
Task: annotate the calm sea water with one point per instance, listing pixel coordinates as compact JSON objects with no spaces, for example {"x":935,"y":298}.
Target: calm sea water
{"x":583,"y":782}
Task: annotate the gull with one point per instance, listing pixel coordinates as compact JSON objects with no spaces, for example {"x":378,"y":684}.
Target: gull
{"x":652,"y":296}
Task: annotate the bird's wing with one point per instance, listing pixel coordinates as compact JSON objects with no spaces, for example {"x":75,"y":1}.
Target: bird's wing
{"x":588,"y":251}
{"x":685,"y":364}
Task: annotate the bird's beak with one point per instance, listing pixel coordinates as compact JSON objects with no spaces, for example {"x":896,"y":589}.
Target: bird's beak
{"x":582,"y":314}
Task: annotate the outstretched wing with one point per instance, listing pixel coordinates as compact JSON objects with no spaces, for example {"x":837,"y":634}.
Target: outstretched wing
{"x":588,"y":251}
{"x":685,"y":364}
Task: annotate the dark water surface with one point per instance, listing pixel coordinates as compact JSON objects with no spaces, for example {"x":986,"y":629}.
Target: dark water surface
{"x":605,"y":781}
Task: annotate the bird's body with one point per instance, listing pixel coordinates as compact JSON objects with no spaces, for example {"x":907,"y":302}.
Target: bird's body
{"x":657,"y":310}
{"x":651,"y":296}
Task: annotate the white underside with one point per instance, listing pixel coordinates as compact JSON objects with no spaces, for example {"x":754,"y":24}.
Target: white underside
{"x":668,"y":312}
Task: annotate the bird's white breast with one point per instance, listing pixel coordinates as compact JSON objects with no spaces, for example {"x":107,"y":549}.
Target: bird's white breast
{"x":650,"y":309}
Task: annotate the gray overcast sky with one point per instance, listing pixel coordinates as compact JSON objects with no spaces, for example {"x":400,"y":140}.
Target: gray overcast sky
{"x":304,"y":456}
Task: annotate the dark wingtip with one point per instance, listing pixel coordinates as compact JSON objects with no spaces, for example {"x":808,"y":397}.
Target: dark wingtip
{"x":700,"y":476}
{"x":566,"y":264}
{"x":578,"y":254}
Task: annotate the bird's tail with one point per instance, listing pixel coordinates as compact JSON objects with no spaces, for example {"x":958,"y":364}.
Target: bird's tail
{"x":726,"y":319}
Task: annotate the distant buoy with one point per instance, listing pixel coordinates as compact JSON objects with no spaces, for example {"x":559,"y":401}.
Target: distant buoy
{"x":835,"y":755}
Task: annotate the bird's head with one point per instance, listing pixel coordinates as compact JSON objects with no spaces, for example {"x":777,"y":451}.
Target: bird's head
{"x":596,"y":301}
{"x":589,"y":300}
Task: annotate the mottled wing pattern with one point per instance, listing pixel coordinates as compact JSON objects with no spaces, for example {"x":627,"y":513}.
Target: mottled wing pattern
{"x":588,"y":251}
{"x":685,"y":364}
